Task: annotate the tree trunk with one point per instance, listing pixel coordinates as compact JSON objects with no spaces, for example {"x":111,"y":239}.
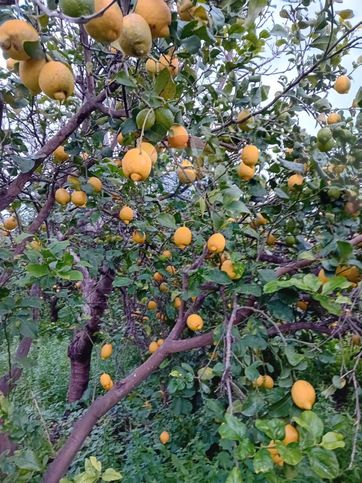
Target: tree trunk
{"x":80,"y":349}
{"x":7,"y":381}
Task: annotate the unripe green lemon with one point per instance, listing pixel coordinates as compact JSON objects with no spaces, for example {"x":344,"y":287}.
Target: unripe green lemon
{"x":146,"y":117}
{"x":76,"y":8}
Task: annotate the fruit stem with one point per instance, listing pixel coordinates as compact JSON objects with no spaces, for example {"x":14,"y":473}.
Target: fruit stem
{"x":143,"y":129}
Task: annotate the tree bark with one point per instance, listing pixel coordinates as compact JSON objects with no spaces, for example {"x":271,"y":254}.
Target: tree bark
{"x":80,"y":349}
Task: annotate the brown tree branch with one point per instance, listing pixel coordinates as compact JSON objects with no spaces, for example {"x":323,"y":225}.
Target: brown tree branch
{"x":9,"y":194}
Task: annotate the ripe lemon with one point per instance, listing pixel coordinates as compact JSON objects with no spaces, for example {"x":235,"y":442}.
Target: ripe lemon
{"x":106,"y":351}
{"x":351,"y":273}
{"x":165,"y":437}
{"x":333,"y":118}
{"x":29,"y":71}
{"x":266,"y":382}
{"x":107,"y":27}
{"x":171,"y":269}
{"x":274,"y":454}
{"x":10,"y":223}
{"x":157,"y":15}
{"x":194,"y":322}
{"x":73,"y":182}
{"x":106,"y":381}
{"x":259,"y":220}
{"x":271,"y":239}
{"x":62,"y":196}
{"x":96,"y":184}
{"x":163,"y":287}
{"x":152,"y":305}
{"x":250,"y":155}
{"x":291,"y":434}
{"x":126,"y":214}
{"x":216,"y":243}
{"x":182,"y":237}
{"x":10,"y":63}
{"x":177,"y":303}
{"x":246,"y":172}
{"x":302,"y":305}
{"x":79,"y":198}
{"x":60,"y":154}
{"x":135,"y":39}
{"x":137,"y":164}
{"x":259,"y":382}
{"x":158,"y":277}
{"x":120,"y":138}
{"x":13,"y":34}
{"x":169,"y":62}
{"x":186,"y":172}
{"x":322,"y":276}
{"x":185,"y":9}
{"x":153,"y":347}
{"x":245,"y":125}
{"x":228,"y":267}
{"x":150,"y":150}
{"x":295,"y":180}
{"x":56,"y":80}
{"x":177,"y":137}
{"x":166,"y":254}
{"x":138,"y":237}
{"x":303,"y":394}
{"x":342,"y":84}
{"x":160,"y":342}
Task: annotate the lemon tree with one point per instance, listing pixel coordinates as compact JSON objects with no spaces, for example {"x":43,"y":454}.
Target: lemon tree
{"x":179,"y":241}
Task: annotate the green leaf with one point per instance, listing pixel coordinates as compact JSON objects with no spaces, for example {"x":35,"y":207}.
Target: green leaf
{"x":166,"y":220}
{"x":311,"y":283}
{"x":311,"y":428}
{"x":217,"y":276}
{"x":73,"y":275}
{"x":262,"y":461}
{"x":111,"y":475}
{"x":124,"y":79}
{"x":345,"y":250}
{"x":335,"y":283}
{"x":232,"y":428}
{"x":273,"y":428}
{"x":28,"y":460}
{"x":37,"y":270}
{"x":328,"y":303}
{"x":95,"y":463}
{"x":254,"y":8}
{"x":234,"y":476}
{"x":122,"y":282}
{"x":28,"y":329}
{"x":333,"y":440}
{"x":324,"y":463}
{"x":291,"y":454}
{"x":34,"y":49}
{"x":293,"y":357}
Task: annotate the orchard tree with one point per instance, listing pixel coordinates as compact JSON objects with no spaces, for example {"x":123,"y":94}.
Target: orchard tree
{"x":176,"y":183}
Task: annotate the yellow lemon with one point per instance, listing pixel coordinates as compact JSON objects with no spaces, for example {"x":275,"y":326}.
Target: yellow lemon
{"x":194,"y":322}
{"x":216,"y":243}
{"x":303,"y":394}
{"x":182,"y":237}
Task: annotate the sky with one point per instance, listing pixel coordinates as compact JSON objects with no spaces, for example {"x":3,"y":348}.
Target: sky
{"x":337,"y":101}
